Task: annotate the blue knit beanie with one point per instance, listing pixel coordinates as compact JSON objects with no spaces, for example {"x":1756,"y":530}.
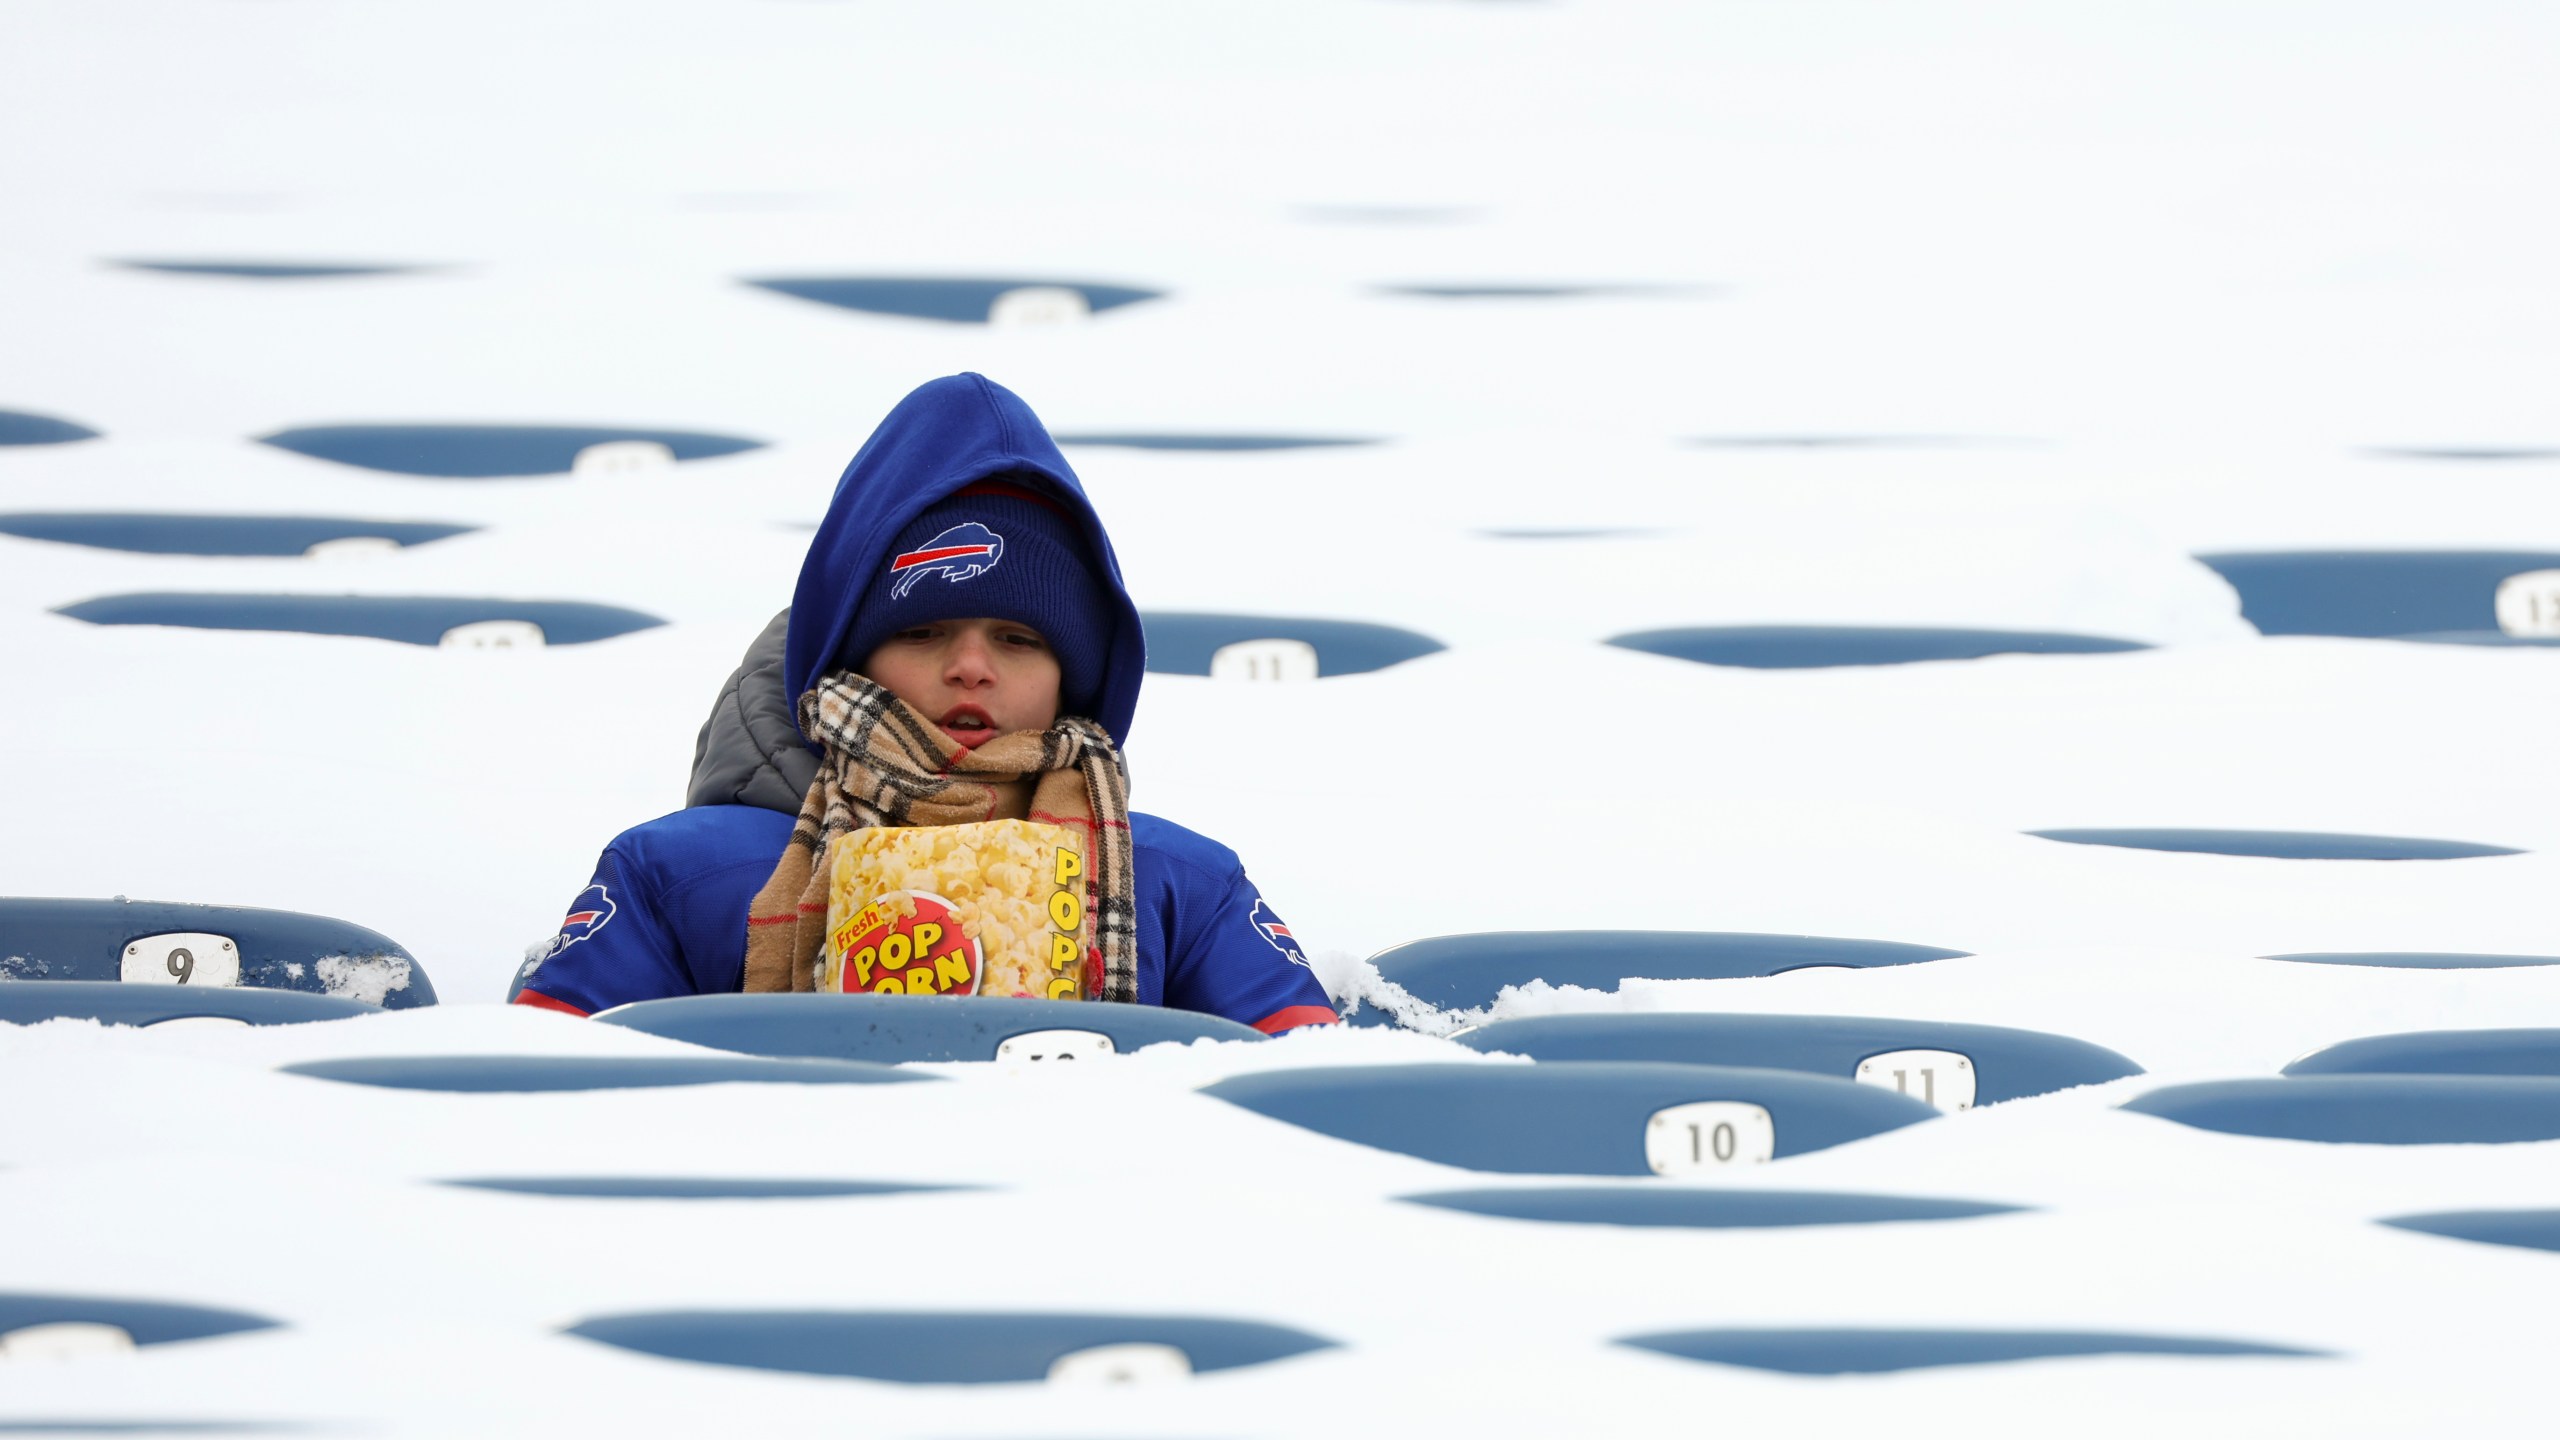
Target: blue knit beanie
{"x":1003,"y":551}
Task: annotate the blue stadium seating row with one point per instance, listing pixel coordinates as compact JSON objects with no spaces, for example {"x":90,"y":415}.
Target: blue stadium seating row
{"x":1879,"y":1351}
{"x":18,"y":427}
{"x":1467,"y":972}
{"x":411,"y":619}
{"x":902,"y":1028}
{"x":143,"y":1322}
{"x":488,"y":452}
{"x":2279,"y":844}
{"x":270,"y":269}
{"x":1810,"y":647}
{"x":197,"y":950}
{"x":954,"y":1348}
{"x":2522,"y":1229}
{"x":1702,"y":1208}
{"x":2446,"y":595}
{"x":692,"y":1187}
{"x":163,"y":534}
{"x":949,"y":299}
{"x":537,"y":1074}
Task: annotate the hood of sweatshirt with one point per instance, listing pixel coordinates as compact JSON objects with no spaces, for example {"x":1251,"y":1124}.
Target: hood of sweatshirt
{"x":948,"y":434}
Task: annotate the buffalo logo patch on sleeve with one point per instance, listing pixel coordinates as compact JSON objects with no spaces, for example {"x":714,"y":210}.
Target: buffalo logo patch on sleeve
{"x":589,"y":913}
{"x":956,"y":554}
{"x":1276,"y":930}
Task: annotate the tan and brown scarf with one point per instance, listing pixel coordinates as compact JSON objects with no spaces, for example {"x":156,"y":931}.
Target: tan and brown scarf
{"x":884,"y":763}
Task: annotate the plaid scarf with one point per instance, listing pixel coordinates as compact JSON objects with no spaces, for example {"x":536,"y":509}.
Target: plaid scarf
{"x":884,"y":763}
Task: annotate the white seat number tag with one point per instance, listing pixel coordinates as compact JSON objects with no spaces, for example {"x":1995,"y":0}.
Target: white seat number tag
{"x":494,"y":635}
{"x":1709,"y":1135}
{"x":1032,"y":305}
{"x":2529,"y":604}
{"x":1939,"y":1077}
{"x":623,"y":457}
{"x":66,"y":1340}
{"x":181,"y":957}
{"x":1132,"y":1364}
{"x":1264,"y":660}
{"x":1055,"y":1045}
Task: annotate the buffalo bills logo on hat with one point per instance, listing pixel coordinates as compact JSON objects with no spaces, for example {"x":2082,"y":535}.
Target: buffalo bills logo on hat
{"x":956,"y":554}
{"x":1276,"y":930}
{"x":587,"y":915}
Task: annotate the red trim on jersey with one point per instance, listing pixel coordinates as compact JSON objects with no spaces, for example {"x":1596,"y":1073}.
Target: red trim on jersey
{"x":540,"y":1001}
{"x":1293,"y":1016}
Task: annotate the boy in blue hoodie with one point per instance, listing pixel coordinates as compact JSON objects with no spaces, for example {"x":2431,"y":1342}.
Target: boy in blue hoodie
{"x":960,"y":648}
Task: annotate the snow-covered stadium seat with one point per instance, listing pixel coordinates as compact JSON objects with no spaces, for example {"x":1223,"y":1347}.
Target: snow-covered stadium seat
{"x":2367,"y":1109}
{"x":1524,"y":290}
{"x":955,"y":1347}
{"x":2415,"y":959}
{"x":163,"y":534}
{"x":112,"y":1002}
{"x":1575,"y":1118}
{"x":1879,"y":1351}
{"x":1197,"y":440}
{"x":896,"y":1028}
{"x":19,"y":427}
{"x":139,"y":942}
{"x":2524,"y":1229}
{"x":39,"y":1325}
{"x":528,"y":1074}
{"x":486,"y":452}
{"x":2470,"y":596}
{"x":1810,"y":647}
{"x":453,"y":620}
{"x":1230,"y":646}
{"x":2438,"y":1052}
{"x":1701,"y":1208}
{"x":975,"y":301}
{"x":692,"y":1187}
{"x":2278,"y":844}
{"x":270,"y":269}
{"x":1466,"y":972}
{"x":1950,"y":1066}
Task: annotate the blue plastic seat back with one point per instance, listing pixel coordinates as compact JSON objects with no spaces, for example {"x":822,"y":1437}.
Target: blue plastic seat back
{"x":485,"y":452}
{"x":50,"y":939}
{"x":411,"y":619}
{"x":893,"y":1029}
{"x":2523,"y":1229}
{"x":2439,"y":1052}
{"x":165,"y":534}
{"x":17,"y":427}
{"x":1556,"y":1119}
{"x":1882,"y":1351}
{"x":2417,"y":959}
{"x":2367,"y":1109}
{"x":946,"y":298}
{"x":1466,"y":972}
{"x":928,"y":1347}
{"x":2277,"y":844}
{"x":521,"y":1074}
{"x":267,"y":269}
{"x":1701,"y":1208}
{"x":1815,"y":647}
{"x":2375,"y":593}
{"x":149,"y":1322}
{"x":1184,"y":642}
{"x":112,"y":1002}
{"x":2005,"y":1063}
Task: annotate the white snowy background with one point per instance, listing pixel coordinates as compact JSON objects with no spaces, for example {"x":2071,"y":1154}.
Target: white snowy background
{"x":2130,"y":281}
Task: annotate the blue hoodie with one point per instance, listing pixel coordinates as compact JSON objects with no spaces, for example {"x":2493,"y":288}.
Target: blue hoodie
{"x":666,"y":913}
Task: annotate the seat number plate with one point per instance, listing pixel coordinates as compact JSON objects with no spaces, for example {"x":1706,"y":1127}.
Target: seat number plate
{"x":1708,"y":1135}
{"x":1939,"y":1077}
{"x":182,"y":957}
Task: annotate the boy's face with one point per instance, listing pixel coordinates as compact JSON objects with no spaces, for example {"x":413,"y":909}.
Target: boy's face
{"x":977,"y":679}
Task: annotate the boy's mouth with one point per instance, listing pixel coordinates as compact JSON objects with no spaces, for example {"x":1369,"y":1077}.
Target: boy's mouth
{"x":969,"y":725}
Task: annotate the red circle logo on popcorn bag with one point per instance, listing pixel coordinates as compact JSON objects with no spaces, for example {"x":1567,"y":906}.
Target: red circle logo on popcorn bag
{"x":905,"y":943}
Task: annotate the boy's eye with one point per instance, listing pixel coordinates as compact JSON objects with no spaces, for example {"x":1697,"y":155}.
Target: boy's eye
{"x":1025,"y":638}
{"x":916,"y":632}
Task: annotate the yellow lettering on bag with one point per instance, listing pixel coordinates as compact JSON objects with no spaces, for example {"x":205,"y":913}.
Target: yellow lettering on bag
{"x":1062,"y":989}
{"x":889,"y":985}
{"x":928,"y":935}
{"x":896,"y":951}
{"x":863,"y":959}
{"x":1066,"y":910}
{"x":1069,"y":865}
{"x":1062,"y":951}
{"x":952,"y":970}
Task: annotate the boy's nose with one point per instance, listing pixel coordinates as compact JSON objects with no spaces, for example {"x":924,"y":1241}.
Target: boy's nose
{"x":971,"y":662}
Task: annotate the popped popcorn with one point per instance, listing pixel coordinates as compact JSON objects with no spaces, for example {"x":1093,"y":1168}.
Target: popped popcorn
{"x":994,"y":908}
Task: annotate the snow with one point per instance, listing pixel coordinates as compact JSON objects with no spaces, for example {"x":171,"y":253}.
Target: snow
{"x":2106,"y":287}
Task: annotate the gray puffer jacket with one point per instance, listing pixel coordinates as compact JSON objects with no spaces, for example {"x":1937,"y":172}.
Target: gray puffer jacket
{"x":750,"y":751}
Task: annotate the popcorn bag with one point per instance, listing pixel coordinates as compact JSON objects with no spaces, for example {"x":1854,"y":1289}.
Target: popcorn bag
{"x":994,"y":908}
